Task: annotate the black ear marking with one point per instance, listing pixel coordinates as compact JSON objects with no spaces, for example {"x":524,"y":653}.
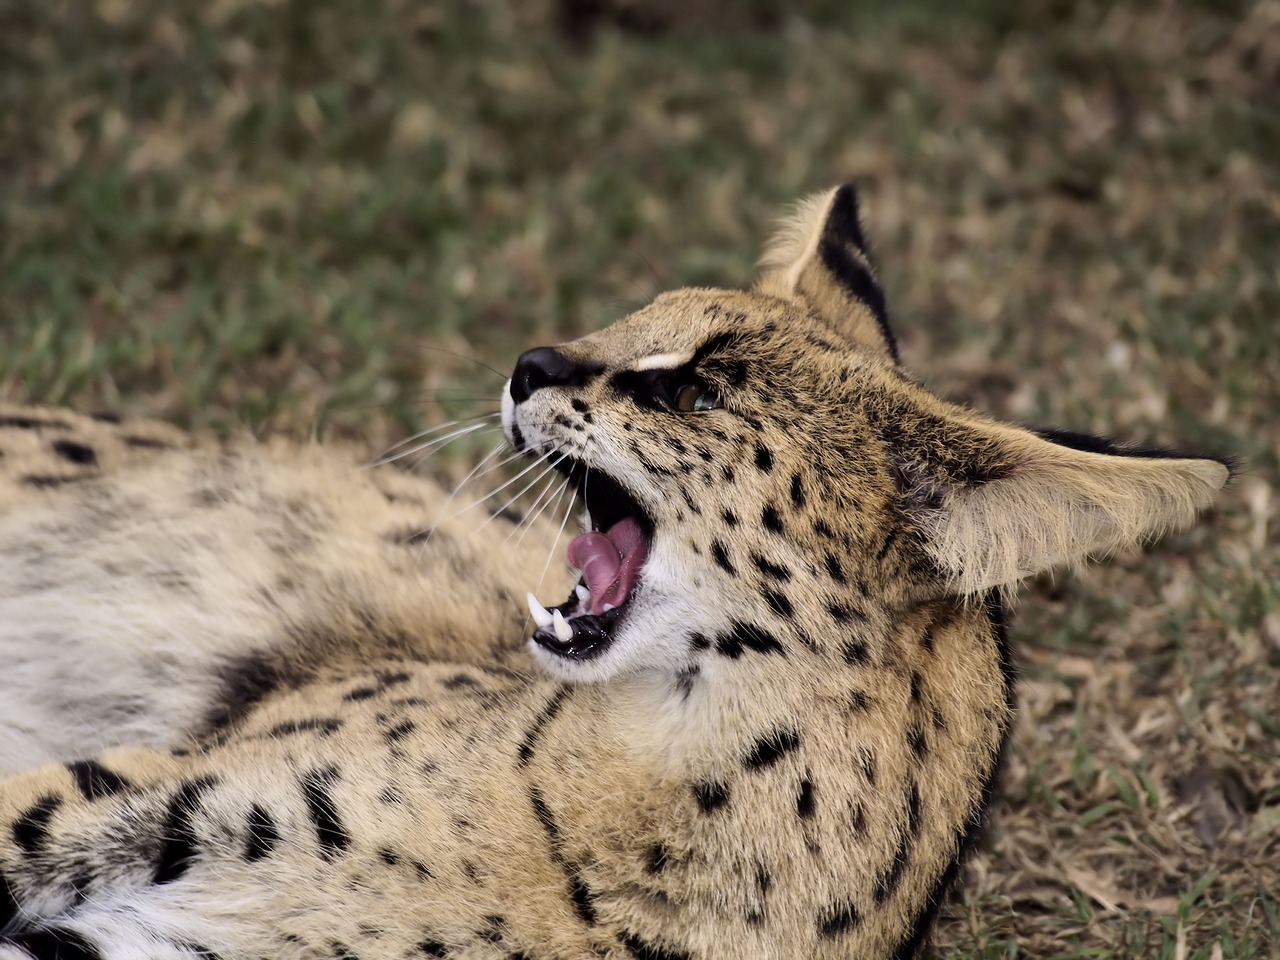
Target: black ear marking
{"x":1092,"y":443}
{"x":844,"y":221}
{"x":841,"y":231}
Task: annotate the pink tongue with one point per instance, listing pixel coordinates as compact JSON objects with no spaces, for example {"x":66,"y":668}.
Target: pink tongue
{"x":610,"y":562}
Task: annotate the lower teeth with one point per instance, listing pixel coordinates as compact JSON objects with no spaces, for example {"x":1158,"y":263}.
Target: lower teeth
{"x":564,"y":632}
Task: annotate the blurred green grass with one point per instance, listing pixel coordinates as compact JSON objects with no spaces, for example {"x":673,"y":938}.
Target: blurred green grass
{"x":295,"y":215}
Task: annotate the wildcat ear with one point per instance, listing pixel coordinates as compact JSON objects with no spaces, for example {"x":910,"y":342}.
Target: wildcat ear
{"x":996,"y":503}
{"x":819,"y":257}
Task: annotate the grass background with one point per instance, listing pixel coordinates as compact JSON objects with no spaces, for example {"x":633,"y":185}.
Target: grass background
{"x":279,"y":213}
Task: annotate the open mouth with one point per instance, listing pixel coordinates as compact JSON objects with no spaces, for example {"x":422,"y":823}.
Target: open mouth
{"x":610,"y":558}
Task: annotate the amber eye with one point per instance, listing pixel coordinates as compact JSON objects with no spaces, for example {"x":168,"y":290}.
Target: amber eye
{"x":695,"y":398}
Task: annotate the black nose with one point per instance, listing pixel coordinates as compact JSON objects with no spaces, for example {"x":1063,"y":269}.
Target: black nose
{"x":541,"y":367}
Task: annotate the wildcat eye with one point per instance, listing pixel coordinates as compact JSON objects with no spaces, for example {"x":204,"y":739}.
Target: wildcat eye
{"x":695,"y":398}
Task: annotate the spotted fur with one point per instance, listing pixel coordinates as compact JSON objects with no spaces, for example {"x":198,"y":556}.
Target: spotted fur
{"x":283,"y":723}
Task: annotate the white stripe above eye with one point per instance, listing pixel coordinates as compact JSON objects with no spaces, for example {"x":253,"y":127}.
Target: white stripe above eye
{"x":661,"y":361}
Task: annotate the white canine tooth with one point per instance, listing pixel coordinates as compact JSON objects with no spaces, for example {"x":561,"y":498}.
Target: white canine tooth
{"x":610,"y":606}
{"x":541,"y":615}
{"x":564,"y":632}
{"x":583,"y":593}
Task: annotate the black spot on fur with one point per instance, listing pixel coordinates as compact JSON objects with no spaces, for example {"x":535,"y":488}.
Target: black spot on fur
{"x":180,"y":843}
{"x":31,"y":830}
{"x":410,"y":538}
{"x":928,"y":641}
{"x":834,"y":570}
{"x":360,"y":693}
{"x":400,"y":731}
{"x":779,"y":603}
{"x":764,"y":879}
{"x":330,"y":832}
{"x":263,"y":834}
{"x":885,"y":547}
{"x":245,"y":681}
{"x":33,"y":423}
{"x":917,"y":742}
{"x":579,"y":893}
{"x":699,"y":641}
{"x":710,"y":795}
{"x":730,"y":518}
{"x":867,"y":761}
{"x":509,"y":514}
{"x":73,"y":452}
{"x":774,"y":571}
{"x":917,"y":686}
{"x":805,"y":802}
{"x":147,"y":443}
{"x":887,"y":882}
{"x":643,"y":950}
{"x":534,"y":733}
{"x":8,"y":903}
{"x":721,"y":557}
{"x":772,"y":520}
{"x":433,"y":948}
{"x":55,"y":943}
{"x":859,"y":702}
{"x":745,"y":636}
{"x":764,"y":459}
{"x":42,"y":481}
{"x":106,"y":416}
{"x":857,"y":653}
{"x":657,"y":859}
{"x":771,"y":748}
{"x":838,"y":919}
{"x":842,"y":614}
{"x":96,"y":781}
{"x":459,"y":680}
{"x":858,"y":819}
{"x":797,"y":491}
{"x":686,"y":678}
{"x":325,"y":726}
{"x":494,"y":928}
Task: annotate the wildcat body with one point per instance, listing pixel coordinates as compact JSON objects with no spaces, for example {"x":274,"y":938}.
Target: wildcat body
{"x":777,"y":739}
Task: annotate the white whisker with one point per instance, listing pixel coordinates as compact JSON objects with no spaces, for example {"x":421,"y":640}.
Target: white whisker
{"x":435,"y":442}
{"x":427,"y":449}
{"x":497,"y":448}
{"x":550,"y":493}
{"x":527,"y":487}
{"x":553,"y":504}
{"x":493,"y":493}
{"x":554,"y":543}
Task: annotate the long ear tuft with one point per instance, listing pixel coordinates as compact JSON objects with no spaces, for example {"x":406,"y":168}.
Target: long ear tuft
{"x":996,"y":503}
{"x":819,"y":257}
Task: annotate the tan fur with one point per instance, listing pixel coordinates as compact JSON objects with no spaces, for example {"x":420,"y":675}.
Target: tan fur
{"x":783,"y":752}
